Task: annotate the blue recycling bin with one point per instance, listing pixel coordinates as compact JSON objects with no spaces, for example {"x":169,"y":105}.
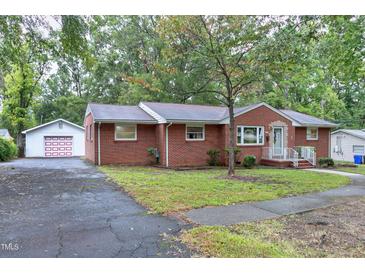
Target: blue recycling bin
{"x":358,"y":159}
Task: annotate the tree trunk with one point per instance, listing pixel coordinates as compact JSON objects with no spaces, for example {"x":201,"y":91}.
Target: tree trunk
{"x":231,"y":148}
{"x":20,"y":144}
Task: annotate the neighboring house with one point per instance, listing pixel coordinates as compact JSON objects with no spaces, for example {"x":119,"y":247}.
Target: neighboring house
{"x":345,"y":143}
{"x":183,"y":133}
{"x":4,"y":133}
{"x":59,"y":138}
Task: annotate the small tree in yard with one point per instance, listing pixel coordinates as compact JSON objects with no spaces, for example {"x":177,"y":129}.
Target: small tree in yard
{"x":226,"y":48}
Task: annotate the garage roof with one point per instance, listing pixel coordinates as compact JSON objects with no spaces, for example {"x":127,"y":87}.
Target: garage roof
{"x":52,"y":122}
{"x":359,"y":133}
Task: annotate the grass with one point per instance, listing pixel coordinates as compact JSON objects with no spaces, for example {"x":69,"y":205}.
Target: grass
{"x":164,"y":191}
{"x":230,"y":242}
{"x":360,"y":169}
{"x":332,"y":232}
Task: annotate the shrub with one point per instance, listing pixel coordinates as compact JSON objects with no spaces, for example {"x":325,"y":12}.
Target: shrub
{"x":8,"y":149}
{"x":155,"y":153}
{"x":248,"y":161}
{"x":326,"y":162}
{"x":213,"y":157}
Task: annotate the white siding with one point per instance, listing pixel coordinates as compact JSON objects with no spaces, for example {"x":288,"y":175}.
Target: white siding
{"x":347,"y":142}
{"x":34,"y":141}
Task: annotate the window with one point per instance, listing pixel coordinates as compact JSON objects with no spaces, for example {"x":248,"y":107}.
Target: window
{"x":195,"y":133}
{"x":87,"y":133}
{"x":125,"y":132}
{"x":312,"y":133}
{"x":250,"y":135}
{"x":358,"y":149}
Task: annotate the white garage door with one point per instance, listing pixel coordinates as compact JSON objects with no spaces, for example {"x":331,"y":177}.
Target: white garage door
{"x":58,"y":146}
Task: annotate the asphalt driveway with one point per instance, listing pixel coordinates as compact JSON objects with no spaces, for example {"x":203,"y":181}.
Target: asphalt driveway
{"x":66,"y":208}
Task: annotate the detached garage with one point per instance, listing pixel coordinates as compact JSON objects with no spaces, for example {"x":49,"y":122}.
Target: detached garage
{"x":59,"y":138}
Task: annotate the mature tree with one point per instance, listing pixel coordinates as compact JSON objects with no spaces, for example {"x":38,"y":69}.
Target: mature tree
{"x":23,"y":63}
{"x":227,"y":49}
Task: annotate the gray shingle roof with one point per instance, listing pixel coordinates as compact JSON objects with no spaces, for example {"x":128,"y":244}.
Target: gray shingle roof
{"x":360,"y":133}
{"x":306,"y":119}
{"x":117,"y":112}
{"x":188,"y":112}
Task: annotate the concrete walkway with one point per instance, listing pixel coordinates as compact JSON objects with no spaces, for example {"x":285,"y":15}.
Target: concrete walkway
{"x":245,"y":212}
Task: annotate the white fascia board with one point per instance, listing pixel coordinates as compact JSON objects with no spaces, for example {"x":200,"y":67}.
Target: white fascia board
{"x":125,"y":121}
{"x":49,"y":123}
{"x":155,"y":115}
{"x":182,"y":121}
{"x":318,"y":125}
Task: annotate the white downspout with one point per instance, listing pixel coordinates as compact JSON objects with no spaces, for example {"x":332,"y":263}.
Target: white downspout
{"x":167,"y":144}
{"x":99,"y":143}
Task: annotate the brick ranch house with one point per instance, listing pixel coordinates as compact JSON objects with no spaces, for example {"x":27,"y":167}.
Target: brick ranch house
{"x":183,"y":133}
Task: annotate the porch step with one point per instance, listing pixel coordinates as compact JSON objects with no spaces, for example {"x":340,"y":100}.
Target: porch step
{"x":303,"y":164}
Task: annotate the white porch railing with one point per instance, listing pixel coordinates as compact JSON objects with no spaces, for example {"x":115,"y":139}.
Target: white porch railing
{"x":286,"y":154}
{"x":306,"y":153}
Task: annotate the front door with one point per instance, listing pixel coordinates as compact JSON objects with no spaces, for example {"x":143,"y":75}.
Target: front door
{"x":278,"y":144}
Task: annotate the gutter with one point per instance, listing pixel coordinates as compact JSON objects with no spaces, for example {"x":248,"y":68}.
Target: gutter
{"x":167,"y":144}
{"x":99,"y":162}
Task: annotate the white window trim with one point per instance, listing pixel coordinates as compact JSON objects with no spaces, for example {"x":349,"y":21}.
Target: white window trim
{"x":192,"y":125}
{"x":257,"y":135}
{"x":363,"y":149}
{"x":309,"y":138}
{"x":125,"y":139}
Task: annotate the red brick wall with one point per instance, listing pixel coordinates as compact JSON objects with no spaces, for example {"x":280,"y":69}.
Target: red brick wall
{"x":321,"y":144}
{"x":192,"y":153}
{"x":90,"y":145}
{"x":261,"y":116}
{"x":127,"y":152}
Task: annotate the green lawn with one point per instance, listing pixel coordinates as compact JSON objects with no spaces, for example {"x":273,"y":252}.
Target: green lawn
{"x":241,"y":241}
{"x":360,"y":169}
{"x":164,"y":191}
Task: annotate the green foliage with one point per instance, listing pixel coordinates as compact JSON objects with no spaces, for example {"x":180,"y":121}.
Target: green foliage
{"x":154,"y":152}
{"x":71,"y":108}
{"x":20,"y":89}
{"x":326,"y":162}
{"x":8,"y":149}
{"x":213,"y":157}
{"x":249,"y":161}
{"x":184,"y":59}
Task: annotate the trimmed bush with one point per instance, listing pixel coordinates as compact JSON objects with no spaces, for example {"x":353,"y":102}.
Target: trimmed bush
{"x":213,"y":157}
{"x":8,"y":149}
{"x":326,"y":162}
{"x":249,"y":161}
